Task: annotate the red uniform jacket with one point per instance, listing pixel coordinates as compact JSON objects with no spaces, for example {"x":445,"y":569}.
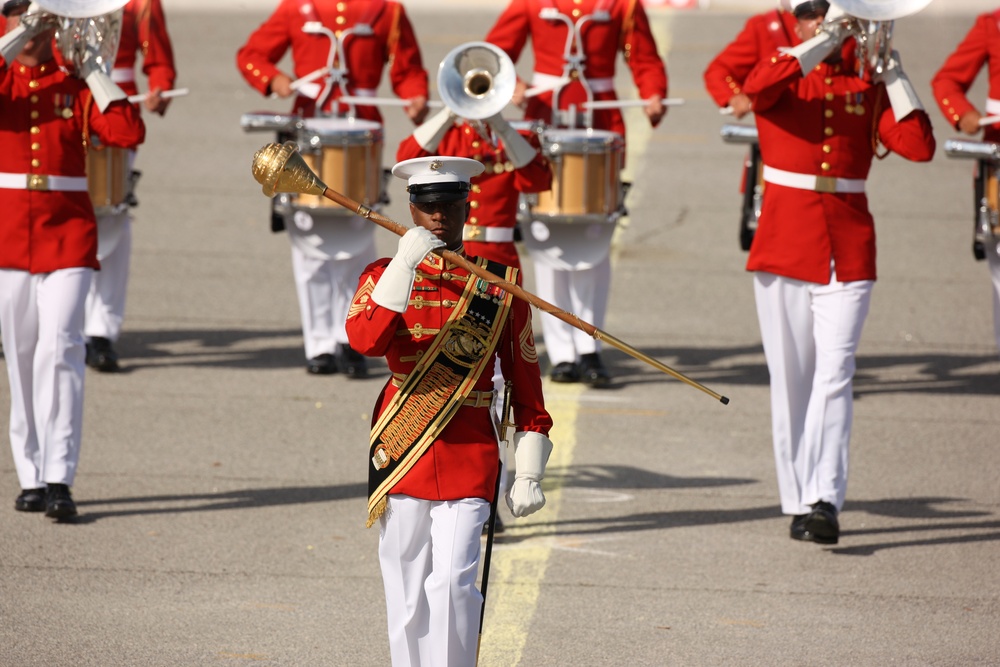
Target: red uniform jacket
{"x":495,"y":193}
{"x":462,"y":462}
{"x":628,"y":31}
{"x":823,"y":124}
{"x":953,"y":80}
{"x":46,"y":115}
{"x":144,"y":31}
{"x":762,"y":35}
{"x":393,"y":42}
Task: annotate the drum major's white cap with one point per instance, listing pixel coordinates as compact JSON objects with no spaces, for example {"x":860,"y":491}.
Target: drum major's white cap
{"x":437,"y":178}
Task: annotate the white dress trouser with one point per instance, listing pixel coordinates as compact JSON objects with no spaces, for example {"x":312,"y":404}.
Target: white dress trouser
{"x":993,"y":259}
{"x":811,"y":334}
{"x":429,"y":552}
{"x":325,"y":288}
{"x":41,"y":319}
{"x":582,"y":292}
{"x":106,"y":298}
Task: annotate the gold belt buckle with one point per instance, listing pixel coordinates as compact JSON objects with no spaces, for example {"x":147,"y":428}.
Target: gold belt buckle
{"x":826,"y":184}
{"x":38,"y":182}
{"x":472,"y":232}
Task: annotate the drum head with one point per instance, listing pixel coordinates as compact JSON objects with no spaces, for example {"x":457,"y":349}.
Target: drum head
{"x":555,"y":142}
{"x":261,"y":121}
{"x":340,"y":125}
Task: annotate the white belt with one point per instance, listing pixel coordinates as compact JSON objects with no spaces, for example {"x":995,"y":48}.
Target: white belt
{"x":482,"y":234}
{"x":540,"y":80}
{"x":993,"y":107}
{"x":365,"y":92}
{"x":123,"y":75}
{"x":42,"y":182}
{"x":816,"y":183}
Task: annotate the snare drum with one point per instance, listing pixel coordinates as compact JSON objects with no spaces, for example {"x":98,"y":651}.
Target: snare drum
{"x":107,"y":177}
{"x":586,"y":175}
{"x":346,"y":155}
{"x":268,"y":121}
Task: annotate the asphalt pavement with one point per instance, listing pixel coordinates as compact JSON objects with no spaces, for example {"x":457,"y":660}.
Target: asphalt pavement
{"x":222,"y":489}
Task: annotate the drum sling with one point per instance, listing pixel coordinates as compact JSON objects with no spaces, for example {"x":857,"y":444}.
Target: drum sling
{"x":442,"y":379}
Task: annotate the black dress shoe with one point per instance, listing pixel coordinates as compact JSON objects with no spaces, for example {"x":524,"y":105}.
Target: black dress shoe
{"x":565,"y":372}
{"x":353,"y":362}
{"x":324,"y":364}
{"x":798,"y":530}
{"x":101,"y":355}
{"x":822,"y":523}
{"x":592,"y":371}
{"x":58,"y":502}
{"x":30,"y":500}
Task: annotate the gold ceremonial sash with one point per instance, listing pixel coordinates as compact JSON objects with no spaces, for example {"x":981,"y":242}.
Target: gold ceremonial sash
{"x":438,"y":385}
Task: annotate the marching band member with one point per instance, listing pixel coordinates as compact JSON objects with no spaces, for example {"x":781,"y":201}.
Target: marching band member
{"x":48,"y":251}
{"x":950,"y":86}
{"x":329,"y":252}
{"x":434,"y":448}
{"x":144,"y":32}
{"x":572,"y":261}
{"x":813,"y":256}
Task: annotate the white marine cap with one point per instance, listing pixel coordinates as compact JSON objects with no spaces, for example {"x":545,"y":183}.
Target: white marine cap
{"x":437,"y":178}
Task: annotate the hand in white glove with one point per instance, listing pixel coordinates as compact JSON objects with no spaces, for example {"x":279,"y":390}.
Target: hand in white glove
{"x":393,"y":288}
{"x":902,"y":97}
{"x":531,"y":452}
{"x":519,"y":150}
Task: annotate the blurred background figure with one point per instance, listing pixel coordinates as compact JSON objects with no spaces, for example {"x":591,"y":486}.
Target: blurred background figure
{"x":340,"y":49}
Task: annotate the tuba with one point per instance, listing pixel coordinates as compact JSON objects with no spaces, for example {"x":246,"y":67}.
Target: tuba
{"x":87,"y":35}
{"x":870,"y":22}
{"x":476,"y":80}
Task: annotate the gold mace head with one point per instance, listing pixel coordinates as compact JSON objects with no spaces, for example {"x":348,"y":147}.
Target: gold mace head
{"x":280,"y":168}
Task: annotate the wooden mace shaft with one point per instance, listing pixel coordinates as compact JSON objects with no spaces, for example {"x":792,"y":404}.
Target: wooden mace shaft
{"x":540,"y":304}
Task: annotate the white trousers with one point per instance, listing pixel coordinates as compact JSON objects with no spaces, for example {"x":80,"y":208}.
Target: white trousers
{"x":581,"y":292}
{"x":106,"y":299}
{"x":993,"y":259}
{"x":325,"y":288}
{"x":429,"y":553}
{"x":41,"y":319}
{"x":811,"y":334}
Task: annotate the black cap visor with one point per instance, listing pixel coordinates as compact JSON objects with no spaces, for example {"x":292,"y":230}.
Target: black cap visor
{"x":426,"y":193}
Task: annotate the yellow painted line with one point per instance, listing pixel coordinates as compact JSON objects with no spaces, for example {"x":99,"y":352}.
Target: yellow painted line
{"x":517,"y":572}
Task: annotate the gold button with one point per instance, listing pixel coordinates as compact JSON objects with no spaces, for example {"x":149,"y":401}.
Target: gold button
{"x":575,"y":13}
{"x":33,"y":84}
{"x":828,"y":81}
{"x":341,"y":20}
{"x":825,"y":166}
{"x":338,"y":33}
{"x":35,"y":130}
{"x":473,"y":220}
{"x":828,"y":131}
{"x":477,"y":156}
{"x":34,"y":115}
{"x":36,"y":163}
{"x":729,"y":78}
{"x":774,"y":60}
{"x":35,"y":146}
{"x":829,"y":97}
{"x":341,"y":6}
{"x":34,"y":99}
{"x":736,"y":89}
{"x":256,"y":72}
{"x":249,"y":66}
{"x":474,"y":204}
{"x":827,"y":148}
{"x":476,"y":188}
{"x":828,"y":113}
{"x":475,"y":144}
{"x":447,"y":303}
{"x":945,"y":101}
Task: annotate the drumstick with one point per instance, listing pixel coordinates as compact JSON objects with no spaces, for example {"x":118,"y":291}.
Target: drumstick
{"x":142,"y":97}
{"x":546,"y":88}
{"x":381,"y":101}
{"x":308,"y":78}
{"x":619,"y":104}
{"x":988,"y":120}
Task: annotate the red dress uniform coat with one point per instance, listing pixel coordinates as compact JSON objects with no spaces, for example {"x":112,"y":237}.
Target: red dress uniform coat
{"x":144,"y":32}
{"x":393,"y":42}
{"x":762,"y":35}
{"x":46,"y":114}
{"x":495,"y":193}
{"x":811,"y":125}
{"x":953,"y":80}
{"x":628,"y":31}
{"x":462,"y":461}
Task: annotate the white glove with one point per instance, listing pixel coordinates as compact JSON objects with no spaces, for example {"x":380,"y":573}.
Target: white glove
{"x":902,"y":97}
{"x":518,"y":149}
{"x":432,"y":131}
{"x":531,"y":452}
{"x":815,"y":50}
{"x":393,"y":289}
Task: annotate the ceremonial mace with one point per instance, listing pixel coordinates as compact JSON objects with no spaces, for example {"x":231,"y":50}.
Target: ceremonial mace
{"x":280,"y":169}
